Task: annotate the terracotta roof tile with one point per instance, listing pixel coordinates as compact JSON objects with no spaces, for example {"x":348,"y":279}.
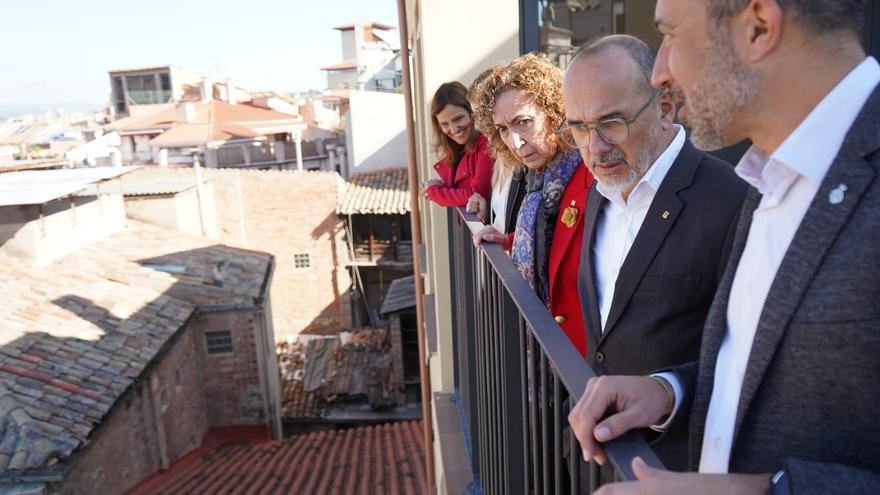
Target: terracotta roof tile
{"x":76,"y":333}
{"x":383,"y":192}
{"x":380,"y":459}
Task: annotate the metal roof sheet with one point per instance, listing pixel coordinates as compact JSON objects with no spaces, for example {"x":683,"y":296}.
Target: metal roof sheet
{"x":33,"y":187}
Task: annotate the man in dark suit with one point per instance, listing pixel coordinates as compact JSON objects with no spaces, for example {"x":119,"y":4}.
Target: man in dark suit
{"x":783,"y":398}
{"x":660,"y":218}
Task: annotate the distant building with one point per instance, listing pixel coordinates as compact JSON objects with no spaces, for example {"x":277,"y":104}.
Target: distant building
{"x":370,"y":61}
{"x":220,"y":134}
{"x":122,"y":345}
{"x":130,"y":88}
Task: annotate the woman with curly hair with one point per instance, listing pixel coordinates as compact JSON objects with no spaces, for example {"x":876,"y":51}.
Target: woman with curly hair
{"x":466,"y":166}
{"x":520,"y":108}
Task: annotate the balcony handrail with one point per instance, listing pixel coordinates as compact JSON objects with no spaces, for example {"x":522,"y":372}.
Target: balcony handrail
{"x":571,"y":368}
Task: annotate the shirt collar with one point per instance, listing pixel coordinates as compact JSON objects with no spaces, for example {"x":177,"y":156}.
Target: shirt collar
{"x":810,"y":149}
{"x":655,"y":174}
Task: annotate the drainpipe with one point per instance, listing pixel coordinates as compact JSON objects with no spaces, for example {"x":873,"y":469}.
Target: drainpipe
{"x":416,"y":227}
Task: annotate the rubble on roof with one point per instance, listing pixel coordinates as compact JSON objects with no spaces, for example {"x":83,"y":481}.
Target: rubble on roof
{"x":320,"y":371}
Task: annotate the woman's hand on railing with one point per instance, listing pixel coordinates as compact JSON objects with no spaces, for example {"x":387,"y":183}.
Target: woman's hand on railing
{"x":429,"y":184}
{"x":638,"y":401}
{"x":493,"y":235}
{"x":478,"y":204}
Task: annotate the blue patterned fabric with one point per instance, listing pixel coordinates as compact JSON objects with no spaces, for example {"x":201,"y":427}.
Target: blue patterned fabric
{"x":537,"y":219}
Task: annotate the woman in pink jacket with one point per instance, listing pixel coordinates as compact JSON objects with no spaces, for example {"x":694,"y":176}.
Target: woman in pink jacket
{"x":466,"y":167}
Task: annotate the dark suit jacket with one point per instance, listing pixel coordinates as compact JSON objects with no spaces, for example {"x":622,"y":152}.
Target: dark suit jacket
{"x":667,"y":281}
{"x":810,"y":397}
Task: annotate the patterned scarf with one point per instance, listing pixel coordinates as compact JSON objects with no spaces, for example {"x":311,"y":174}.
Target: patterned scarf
{"x":537,"y":219}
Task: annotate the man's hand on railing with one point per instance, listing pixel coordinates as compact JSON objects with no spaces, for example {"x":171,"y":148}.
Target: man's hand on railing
{"x":637,"y":402}
{"x":478,"y":204}
{"x":661,"y":482}
{"x":491,"y":234}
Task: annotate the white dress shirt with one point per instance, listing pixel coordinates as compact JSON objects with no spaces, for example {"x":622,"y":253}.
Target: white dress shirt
{"x":788,"y":180}
{"x":620,"y":220}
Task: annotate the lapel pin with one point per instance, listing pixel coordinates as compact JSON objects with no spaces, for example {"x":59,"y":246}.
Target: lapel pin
{"x":835,"y":197}
{"x":665,"y":214}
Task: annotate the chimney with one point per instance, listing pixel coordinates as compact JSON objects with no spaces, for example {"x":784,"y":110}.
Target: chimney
{"x":186,"y":112}
{"x":206,"y":89}
{"x":230,"y":93}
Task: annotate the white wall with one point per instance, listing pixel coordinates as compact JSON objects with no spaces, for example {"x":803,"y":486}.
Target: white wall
{"x":375,"y":129}
{"x":439,"y":57}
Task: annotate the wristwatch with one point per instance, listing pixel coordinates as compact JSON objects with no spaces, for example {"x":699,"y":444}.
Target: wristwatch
{"x":780,"y":483}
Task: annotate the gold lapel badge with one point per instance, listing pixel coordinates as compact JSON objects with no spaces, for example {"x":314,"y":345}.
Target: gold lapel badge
{"x":570,"y":215}
{"x":665,"y":214}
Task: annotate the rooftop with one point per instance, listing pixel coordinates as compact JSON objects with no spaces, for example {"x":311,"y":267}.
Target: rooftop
{"x":213,"y":120}
{"x":76,"y":334}
{"x":381,"y":459}
{"x":33,"y":187}
{"x":401,"y":295}
{"x":374,"y":25}
{"x":345,"y":65}
{"x":382,"y":192}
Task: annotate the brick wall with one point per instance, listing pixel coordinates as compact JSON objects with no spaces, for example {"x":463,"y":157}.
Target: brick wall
{"x":287,"y":213}
{"x":232,"y":380}
{"x":166,"y":415}
{"x":162,"y":418}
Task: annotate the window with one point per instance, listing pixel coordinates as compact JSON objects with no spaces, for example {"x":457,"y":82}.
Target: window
{"x":219,"y":342}
{"x":301,"y":260}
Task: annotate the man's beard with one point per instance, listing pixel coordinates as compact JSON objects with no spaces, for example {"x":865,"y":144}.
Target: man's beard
{"x":634,"y":170}
{"x":724,"y":87}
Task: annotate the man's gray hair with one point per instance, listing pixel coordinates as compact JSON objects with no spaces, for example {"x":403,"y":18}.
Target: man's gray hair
{"x":638,"y":51}
{"x":820,"y":16}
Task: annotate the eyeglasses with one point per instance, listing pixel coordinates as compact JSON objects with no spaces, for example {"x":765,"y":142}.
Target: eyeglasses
{"x":613,"y":131}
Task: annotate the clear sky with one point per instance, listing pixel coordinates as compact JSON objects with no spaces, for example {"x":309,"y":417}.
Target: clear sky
{"x":57,"y":51}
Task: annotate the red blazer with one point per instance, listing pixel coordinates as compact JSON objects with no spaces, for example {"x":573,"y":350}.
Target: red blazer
{"x":474,"y":174}
{"x":565,"y":254}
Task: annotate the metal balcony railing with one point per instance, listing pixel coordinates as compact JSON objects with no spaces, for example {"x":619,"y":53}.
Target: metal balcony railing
{"x":516,"y":372}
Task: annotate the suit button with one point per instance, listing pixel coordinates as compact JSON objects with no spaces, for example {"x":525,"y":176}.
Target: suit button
{"x":600,"y":357}
{"x":559,"y":319}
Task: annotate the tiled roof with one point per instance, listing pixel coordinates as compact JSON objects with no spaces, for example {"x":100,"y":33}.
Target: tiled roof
{"x":214,"y":120}
{"x":380,"y":192}
{"x":374,"y":25}
{"x":401,"y":295}
{"x":381,"y":459}
{"x":318,"y":371}
{"x":25,"y":133}
{"x":345,"y":65}
{"x":74,"y":335}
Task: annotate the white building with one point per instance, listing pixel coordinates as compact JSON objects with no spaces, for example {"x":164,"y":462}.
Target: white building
{"x":370,"y":61}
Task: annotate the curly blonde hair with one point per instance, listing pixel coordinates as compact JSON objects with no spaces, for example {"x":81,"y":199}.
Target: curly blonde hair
{"x":535,"y":76}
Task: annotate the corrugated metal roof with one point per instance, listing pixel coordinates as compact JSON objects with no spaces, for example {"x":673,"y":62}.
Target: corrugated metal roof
{"x":33,"y":187}
{"x":136,"y":185}
{"x":401,"y":295}
{"x":383,"y":192}
{"x":381,"y":459}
